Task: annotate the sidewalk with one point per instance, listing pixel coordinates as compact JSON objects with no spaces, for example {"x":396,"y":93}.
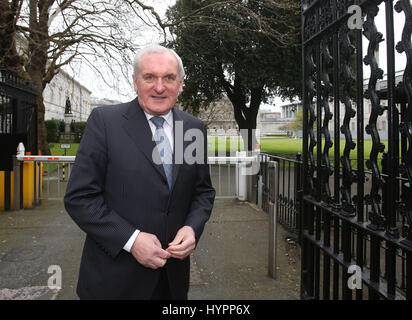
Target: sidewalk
{"x":230,"y":262}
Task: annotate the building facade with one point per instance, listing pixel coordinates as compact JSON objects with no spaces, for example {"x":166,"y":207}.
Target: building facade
{"x":278,"y":123}
{"x":272,"y":124}
{"x":97,"y":102}
{"x":219,"y":118}
{"x":55,"y":94}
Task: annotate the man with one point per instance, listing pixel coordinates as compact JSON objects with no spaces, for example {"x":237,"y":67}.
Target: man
{"x":143,"y":217}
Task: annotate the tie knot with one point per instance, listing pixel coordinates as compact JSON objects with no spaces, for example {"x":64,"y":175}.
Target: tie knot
{"x":158,"y":121}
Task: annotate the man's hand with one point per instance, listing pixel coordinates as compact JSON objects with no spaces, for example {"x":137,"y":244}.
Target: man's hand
{"x":147,"y":250}
{"x":183,"y":244}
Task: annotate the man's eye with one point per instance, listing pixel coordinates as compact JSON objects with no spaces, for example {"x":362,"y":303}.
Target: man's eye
{"x":170,"y":77}
{"x":148,"y":77}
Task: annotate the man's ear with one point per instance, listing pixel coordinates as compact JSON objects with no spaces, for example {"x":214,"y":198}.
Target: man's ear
{"x":181,"y":85}
{"x":134,"y":82}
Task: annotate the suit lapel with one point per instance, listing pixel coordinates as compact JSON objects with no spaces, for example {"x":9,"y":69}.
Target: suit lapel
{"x":136,"y":125}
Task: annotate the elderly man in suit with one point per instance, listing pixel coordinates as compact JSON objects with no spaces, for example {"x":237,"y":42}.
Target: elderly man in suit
{"x":142,"y":205}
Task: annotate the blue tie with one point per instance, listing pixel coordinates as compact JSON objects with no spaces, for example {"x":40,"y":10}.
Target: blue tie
{"x":163,"y":145}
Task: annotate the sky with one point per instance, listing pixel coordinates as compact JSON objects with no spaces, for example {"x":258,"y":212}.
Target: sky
{"x":145,"y":35}
{"x":100,"y":90}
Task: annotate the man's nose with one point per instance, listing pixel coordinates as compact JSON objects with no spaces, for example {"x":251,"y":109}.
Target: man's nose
{"x":159,"y":85}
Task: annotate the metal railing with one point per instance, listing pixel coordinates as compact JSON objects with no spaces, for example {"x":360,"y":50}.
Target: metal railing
{"x":349,"y":221}
{"x":54,"y":171}
{"x":52,"y":175}
{"x":281,"y":185}
{"x":227,"y":176}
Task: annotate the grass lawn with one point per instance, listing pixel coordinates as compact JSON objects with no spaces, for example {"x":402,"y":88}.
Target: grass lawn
{"x":278,"y":146}
{"x":57,"y":151}
{"x":292,"y":146}
{"x":284,"y":146}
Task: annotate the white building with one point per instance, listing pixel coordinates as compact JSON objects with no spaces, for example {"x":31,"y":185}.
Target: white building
{"x":381,"y":122}
{"x":219,"y":118}
{"x":63,"y":86}
{"x":277,"y":123}
{"x":97,"y":102}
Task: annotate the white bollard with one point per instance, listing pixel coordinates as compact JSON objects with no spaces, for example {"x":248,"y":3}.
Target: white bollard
{"x":241,"y":181}
{"x":20,"y":149}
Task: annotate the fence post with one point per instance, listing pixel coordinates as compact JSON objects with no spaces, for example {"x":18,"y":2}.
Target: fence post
{"x":273,"y":225}
{"x":298,"y":196}
{"x":37,"y":170}
{"x":241,"y":178}
{"x":384,"y":163}
{"x":259,"y":190}
{"x":16,"y":184}
{"x":7,"y":190}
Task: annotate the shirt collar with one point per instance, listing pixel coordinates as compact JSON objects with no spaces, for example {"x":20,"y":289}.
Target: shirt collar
{"x":168,"y":117}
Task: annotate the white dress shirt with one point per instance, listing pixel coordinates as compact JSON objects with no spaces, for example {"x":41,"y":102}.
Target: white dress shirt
{"x":168,"y":129}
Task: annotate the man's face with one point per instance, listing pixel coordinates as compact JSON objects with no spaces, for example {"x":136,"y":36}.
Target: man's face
{"x":157,"y":84}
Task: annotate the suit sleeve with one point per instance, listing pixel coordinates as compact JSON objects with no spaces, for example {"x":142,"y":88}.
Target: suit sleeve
{"x":84,"y":198}
{"x":203,"y":196}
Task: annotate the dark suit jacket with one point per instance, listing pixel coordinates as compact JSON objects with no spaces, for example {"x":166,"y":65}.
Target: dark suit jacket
{"x":115,"y":188}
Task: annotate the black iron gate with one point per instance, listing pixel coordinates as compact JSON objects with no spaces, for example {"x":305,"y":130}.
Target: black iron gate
{"x":357,"y":215}
{"x":18,"y":115}
{"x":18,"y":123}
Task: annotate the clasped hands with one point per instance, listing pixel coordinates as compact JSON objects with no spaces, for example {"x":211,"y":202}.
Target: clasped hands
{"x":148,"y":251}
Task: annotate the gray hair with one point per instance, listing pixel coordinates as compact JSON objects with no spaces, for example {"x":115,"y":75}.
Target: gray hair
{"x":156,"y":48}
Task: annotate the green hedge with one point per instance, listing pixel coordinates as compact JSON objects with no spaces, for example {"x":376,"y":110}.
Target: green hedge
{"x":53,"y":130}
{"x":77,"y":129}
{"x":56,"y":127}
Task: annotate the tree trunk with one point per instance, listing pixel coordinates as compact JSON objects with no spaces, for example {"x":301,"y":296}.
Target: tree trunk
{"x":8,"y":53}
{"x":43,"y":145}
{"x":38,"y":47}
{"x":246,"y":116}
{"x":247,"y":132}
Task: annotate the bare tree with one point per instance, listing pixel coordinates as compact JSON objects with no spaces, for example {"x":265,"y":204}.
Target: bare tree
{"x":94,"y":33}
{"x":51,"y":34}
{"x":9,"y":14}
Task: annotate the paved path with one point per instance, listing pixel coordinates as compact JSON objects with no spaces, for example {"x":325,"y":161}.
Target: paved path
{"x":232,"y":256}
{"x":230,"y":261}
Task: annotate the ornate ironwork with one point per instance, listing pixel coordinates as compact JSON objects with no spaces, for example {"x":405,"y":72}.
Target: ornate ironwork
{"x":334,"y":232}
{"x":18,"y":123}
{"x":325,"y":14}
{"x":326,"y":93}
{"x":311,"y":26}
{"x":404,"y":46}
{"x":376,"y":217}
{"x":342,"y":7}
{"x":10,"y":80}
{"x":348,"y":177}
{"x":311,"y":92}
